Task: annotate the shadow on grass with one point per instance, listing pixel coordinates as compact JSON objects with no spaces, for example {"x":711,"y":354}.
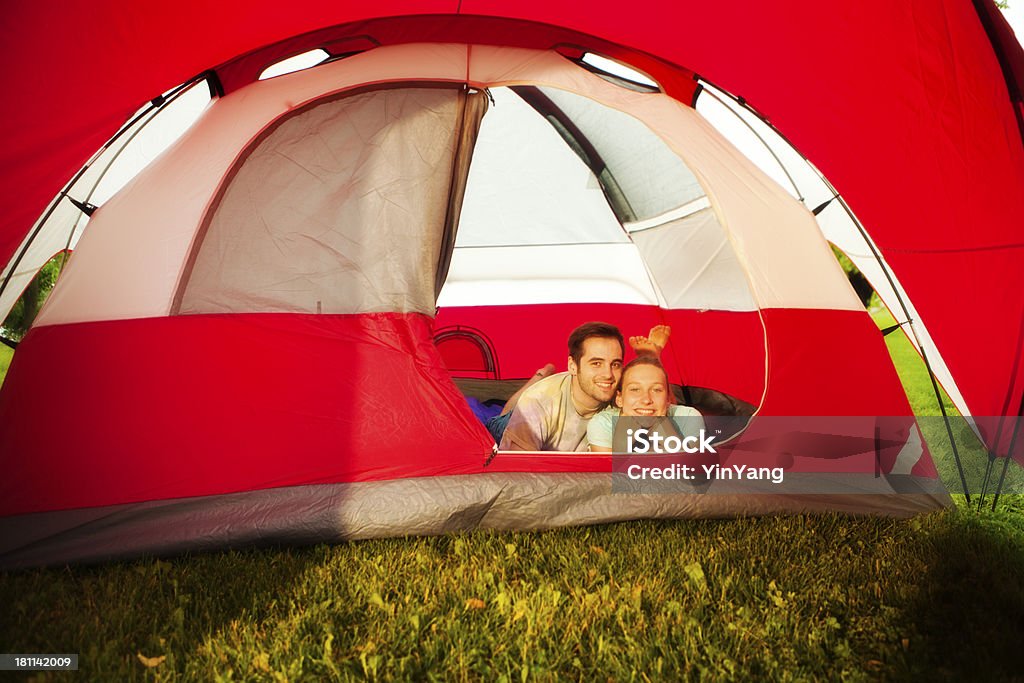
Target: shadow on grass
{"x":969,"y":603}
{"x":110,"y":614}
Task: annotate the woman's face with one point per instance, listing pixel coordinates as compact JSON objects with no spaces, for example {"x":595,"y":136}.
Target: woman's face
{"x":644,"y":392}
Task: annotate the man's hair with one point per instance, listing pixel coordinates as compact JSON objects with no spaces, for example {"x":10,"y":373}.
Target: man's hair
{"x":592,"y":329}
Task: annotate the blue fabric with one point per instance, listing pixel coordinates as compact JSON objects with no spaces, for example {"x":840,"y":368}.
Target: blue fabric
{"x":496,"y":425}
{"x":483,"y":411}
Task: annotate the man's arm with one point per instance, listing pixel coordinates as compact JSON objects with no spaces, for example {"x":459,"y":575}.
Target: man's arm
{"x":526,"y":428}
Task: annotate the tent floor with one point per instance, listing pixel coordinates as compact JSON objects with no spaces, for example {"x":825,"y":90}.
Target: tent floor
{"x":425,"y":506}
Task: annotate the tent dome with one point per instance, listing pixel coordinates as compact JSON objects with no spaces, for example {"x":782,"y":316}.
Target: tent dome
{"x":253,"y":317}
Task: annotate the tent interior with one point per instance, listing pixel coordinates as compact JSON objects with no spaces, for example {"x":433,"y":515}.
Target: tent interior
{"x":557,"y":188}
{"x":572,"y":209}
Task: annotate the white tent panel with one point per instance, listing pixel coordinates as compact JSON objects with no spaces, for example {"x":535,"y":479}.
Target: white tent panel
{"x":910,"y":454}
{"x":763,"y":146}
{"x":787,"y":260}
{"x":153,"y":132}
{"x":130,"y":262}
{"x":169,"y":123}
{"x":526,"y":186}
{"x":652,"y":178}
{"x":496,"y":276}
{"x":694,"y":265}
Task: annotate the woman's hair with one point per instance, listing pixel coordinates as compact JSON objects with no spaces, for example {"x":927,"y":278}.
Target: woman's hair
{"x":643,"y":360}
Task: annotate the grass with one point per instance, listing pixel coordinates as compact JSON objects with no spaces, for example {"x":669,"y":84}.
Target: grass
{"x":6,"y":353}
{"x":821,"y":597}
{"x":974,"y":458}
{"x":797,"y":598}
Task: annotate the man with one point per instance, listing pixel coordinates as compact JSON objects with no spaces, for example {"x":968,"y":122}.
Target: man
{"x":553,"y":413}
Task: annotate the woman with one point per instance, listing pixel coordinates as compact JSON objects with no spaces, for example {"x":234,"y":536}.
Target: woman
{"x":645,"y":397}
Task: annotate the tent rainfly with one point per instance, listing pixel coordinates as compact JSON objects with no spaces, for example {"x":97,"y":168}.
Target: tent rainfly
{"x":255,"y":339}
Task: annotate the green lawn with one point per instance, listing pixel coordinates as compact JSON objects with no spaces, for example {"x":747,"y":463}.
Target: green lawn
{"x":819,"y":597}
{"x":6,"y":353}
{"x":797,"y":598}
{"x":921,"y":394}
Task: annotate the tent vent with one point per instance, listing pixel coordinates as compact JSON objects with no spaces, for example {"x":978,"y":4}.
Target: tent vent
{"x":618,"y":73}
{"x":295,"y":63}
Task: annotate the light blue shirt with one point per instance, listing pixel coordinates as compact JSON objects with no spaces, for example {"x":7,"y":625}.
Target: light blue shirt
{"x":602,"y":426}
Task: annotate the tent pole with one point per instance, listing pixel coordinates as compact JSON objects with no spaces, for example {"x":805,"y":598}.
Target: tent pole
{"x":874,"y":252}
{"x":1009,"y":453}
{"x":764,"y":143}
{"x":913,"y":330}
{"x":154,"y":104}
{"x":988,"y":16}
{"x":989,"y":466}
{"x":985,"y":480}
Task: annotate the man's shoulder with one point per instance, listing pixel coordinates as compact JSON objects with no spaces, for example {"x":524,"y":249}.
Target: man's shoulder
{"x":548,"y":390}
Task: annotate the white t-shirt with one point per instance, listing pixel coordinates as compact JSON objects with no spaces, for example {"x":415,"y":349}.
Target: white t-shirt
{"x":546,"y":419}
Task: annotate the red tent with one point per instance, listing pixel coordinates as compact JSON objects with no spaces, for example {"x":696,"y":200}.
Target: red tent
{"x":914,"y":117}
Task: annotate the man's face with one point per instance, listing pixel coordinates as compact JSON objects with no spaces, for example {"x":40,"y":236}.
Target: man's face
{"x":599,"y":369}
